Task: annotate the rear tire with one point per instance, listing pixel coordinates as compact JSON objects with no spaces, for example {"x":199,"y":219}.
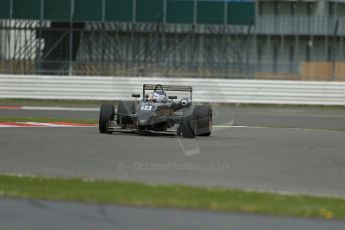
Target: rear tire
{"x":188,"y":126}
{"x":105,"y":116}
{"x":203,"y":120}
{"x":125,"y":107}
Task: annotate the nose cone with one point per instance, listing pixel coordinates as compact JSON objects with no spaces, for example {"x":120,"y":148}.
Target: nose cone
{"x":144,"y":117}
{"x":143,"y":122}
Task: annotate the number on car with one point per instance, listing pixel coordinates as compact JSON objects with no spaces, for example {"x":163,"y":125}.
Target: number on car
{"x":146,"y":107}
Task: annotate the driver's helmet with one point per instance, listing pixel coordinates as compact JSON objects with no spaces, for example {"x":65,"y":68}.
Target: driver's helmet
{"x":159,"y":96}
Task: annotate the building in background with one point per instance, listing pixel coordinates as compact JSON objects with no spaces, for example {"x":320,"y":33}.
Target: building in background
{"x":174,"y":38}
{"x":301,"y":39}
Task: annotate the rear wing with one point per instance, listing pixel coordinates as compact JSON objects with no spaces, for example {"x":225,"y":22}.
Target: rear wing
{"x":181,"y":88}
{"x":169,"y":87}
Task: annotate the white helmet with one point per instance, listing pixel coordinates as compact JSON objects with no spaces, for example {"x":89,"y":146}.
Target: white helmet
{"x":159,"y":96}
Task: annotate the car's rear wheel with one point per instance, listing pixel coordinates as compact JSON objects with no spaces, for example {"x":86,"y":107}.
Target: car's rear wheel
{"x":203,"y":120}
{"x":106,"y":115}
{"x":123,"y":108}
{"x":188,"y":125}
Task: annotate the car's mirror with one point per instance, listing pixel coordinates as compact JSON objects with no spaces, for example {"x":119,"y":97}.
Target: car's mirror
{"x":135,"y":95}
{"x":172,"y":97}
{"x":185,"y":102}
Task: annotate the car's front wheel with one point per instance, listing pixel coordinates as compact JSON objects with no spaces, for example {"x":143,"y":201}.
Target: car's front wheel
{"x":203,"y":120}
{"x":106,"y":115}
{"x":188,"y":124}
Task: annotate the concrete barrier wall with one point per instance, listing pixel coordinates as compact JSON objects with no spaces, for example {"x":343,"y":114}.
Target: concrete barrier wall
{"x":204,"y":90}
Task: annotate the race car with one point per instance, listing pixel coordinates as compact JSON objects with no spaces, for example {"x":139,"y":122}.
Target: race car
{"x":158,"y":113}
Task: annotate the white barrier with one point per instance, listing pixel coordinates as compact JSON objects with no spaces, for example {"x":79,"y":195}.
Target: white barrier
{"x":204,"y":90}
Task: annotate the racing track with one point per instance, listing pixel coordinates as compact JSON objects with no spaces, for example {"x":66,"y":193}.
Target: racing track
{"x":309,"y":158}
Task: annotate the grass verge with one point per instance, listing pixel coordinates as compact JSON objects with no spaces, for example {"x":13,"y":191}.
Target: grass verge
{"x":94,"y":103}
{"x":177,"y":196}
{"x":46,"y":119}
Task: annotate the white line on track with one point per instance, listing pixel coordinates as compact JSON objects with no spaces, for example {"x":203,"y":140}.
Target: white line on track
{"x":43,"y":124}
{"x":52,"y":108}
{"x":52,"y":126}
{"x":221,"y":127}
{"x":235,"y":126}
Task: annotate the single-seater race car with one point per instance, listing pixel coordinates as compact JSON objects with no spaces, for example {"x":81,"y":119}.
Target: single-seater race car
{"x":158,"y":114}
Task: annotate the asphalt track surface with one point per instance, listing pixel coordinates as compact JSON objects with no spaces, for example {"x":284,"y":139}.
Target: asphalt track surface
{"x":292,"y":150}
{"x":29,"y":214}
{"x":308,"y":157}
{"x":313,"y":118}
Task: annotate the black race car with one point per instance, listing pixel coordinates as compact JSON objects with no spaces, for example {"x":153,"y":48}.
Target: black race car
{"x":170,"y":116}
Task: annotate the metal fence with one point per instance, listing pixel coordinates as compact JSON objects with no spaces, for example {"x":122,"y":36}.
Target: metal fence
{"x":125,"y":49}
{"x":277,"y":47}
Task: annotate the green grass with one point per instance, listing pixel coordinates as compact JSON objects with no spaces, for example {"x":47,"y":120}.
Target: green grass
{"x":177,"y":196}
{"x":46,"y":119}
{"x":94,"y":103}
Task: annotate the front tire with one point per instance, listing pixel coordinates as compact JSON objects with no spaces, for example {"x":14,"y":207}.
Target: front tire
{"x":188,"y":126}
{"x":203,"y":120}
{"x":106,"y":115}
